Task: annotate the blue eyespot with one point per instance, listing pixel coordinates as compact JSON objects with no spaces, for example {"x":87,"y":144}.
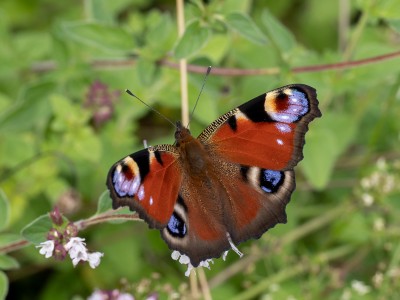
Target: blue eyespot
{"x":297,"y":106}
{"x":271,"y":180}
{"x":176,"y":226}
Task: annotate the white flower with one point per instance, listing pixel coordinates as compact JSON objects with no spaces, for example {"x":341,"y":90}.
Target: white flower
{"x":97,"y":295}
{"x":189,"y":270}
{"x":379,"y":224}
{"x":126,"y":296}
{"x":80,"y":256}
{"x":360,"y":287}
{"x":46,"y":248}
{"x":94,"y":259}
{"x":367,"y":199}
{"x":377,"y":279}
{"x":185,"y":260}
{"x":175,"y":255}
{"x":115,"y":294}
{"x":77,"y":250}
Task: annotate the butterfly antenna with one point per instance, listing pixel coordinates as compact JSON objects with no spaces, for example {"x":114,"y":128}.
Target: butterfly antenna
{"x":198,"y":97}
{"x":152,"y":108}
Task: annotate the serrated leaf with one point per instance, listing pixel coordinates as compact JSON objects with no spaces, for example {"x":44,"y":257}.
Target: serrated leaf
{"x":105,"y":203}
{"x":282,"y":38}
{"x":3,"y":285}
{"x":4,"y":210}
{"x":193,"y":40}
{"x":243,"y":25}
{"x":37,"y":230}
{"x":8,"y":262}
{"x":101,"y":36}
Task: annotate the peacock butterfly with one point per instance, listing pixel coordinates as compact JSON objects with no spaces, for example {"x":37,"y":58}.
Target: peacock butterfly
{"x":230,"y":184}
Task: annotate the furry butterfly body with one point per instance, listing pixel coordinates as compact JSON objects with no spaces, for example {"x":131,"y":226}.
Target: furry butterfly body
{"x":229,"y":184}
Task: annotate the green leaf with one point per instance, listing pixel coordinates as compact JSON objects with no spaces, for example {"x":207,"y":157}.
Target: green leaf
{"x":147,"y":70}
{"x":30,"y":111}
{"x":242,"y":24}
{"x":101,"y":36}
{"x":160,"y":38}
{"x":385,"y":9}
{"x":9,"y":238}
{"x":194,"y":38}
{"x":3,"y":285}
{"x":105,"y":203}
{"x":282,"y":38}
{"x":37,"y":230}
{"x":395,"y":24}
{"x":324,"y":144}
{"x":8,"y":262}
{"x":4,"y":210}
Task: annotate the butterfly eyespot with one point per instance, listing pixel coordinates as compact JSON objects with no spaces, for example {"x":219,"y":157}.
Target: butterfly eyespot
{"x":271,"y":180}
{"x":176,"y":226}
{"x":125,"y":182}
{"x":287,"y":108}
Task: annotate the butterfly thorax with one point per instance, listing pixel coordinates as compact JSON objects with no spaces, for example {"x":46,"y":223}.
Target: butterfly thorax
{"x":194,"y":157}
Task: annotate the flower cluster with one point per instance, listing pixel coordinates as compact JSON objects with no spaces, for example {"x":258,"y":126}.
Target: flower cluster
{"x":185,"y":260}
{"x":62,"y":239}
{"x":101,"y":101}
{"x":381,"y":182}
{"x":110,"y":295}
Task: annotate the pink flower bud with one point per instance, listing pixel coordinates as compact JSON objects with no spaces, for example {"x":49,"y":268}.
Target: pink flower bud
{"x":59,"y":252}
{"x":54,"y":235}
{"x":56,"y":216}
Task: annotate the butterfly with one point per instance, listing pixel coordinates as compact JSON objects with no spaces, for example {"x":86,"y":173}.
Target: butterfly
{"x":230,"y":184}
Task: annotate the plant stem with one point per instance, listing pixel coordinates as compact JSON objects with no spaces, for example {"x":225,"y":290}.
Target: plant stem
{"x":47,"y":66}
{"x":183,"y":65}
{"x":102,"y":218}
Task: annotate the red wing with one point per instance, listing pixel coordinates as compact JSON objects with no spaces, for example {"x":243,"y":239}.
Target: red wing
{"x":267,"y":131}
{"x":148,"y":182}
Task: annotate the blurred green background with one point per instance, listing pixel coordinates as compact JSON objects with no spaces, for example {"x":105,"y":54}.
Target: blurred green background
{"x":64,"y":120}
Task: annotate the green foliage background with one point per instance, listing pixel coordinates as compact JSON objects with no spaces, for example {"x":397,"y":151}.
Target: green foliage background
{"x":344,"y":216}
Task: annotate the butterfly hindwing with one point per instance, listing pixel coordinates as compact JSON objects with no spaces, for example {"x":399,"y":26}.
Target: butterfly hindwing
{"x":147,"y":181}
{"x":233,"y":200}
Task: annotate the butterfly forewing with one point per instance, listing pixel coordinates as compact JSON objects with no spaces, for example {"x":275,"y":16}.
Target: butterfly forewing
{"x":267,"y":131}
{"x":148,"y":182}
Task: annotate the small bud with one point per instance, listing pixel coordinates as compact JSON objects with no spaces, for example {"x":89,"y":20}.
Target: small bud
{"x":71,"y":231}
{"x":59,"y":252}
{"x":54,"y":235}
{"x":56,"y":216}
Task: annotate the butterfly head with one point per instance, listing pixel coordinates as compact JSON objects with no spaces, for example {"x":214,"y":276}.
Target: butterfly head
{"x":182,"y":134}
